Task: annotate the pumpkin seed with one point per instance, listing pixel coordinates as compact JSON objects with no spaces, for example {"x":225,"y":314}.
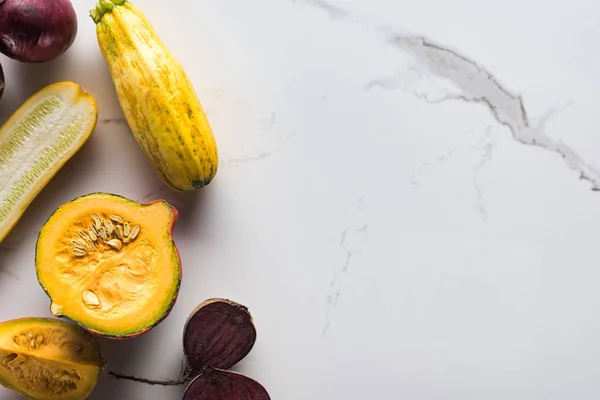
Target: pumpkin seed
{"x":78,"y":252}
{"x":33,"y":344}
{"x":90,"y":298}
{"x":102,"y":233}
{"x":134,"y":233}
{"x":84,"y":235}
{"x":119,"y":231}
{"x":90,"y":245}
{"x":109,"y":228}
{"x":97,"y":222}
{"x":115,"y":244}
{"x":126,"y":229}
{"x":78,"y":243}
{"x":116,"y":219}
{"x":93,"y":234}
{"x":39,"y":339}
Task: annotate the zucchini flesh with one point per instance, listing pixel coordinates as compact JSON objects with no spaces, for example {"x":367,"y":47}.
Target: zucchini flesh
{"x":36,"y":141}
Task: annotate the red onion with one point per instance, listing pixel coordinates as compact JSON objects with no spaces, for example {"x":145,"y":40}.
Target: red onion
{"x":36,"y":30}
{"x":2,"y":83}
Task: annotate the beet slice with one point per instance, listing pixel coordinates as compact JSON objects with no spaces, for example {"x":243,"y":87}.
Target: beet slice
{"x":218,"y":333}
{"x":216,"y":384}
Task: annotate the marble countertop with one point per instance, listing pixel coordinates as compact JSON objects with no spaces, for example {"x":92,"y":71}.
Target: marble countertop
{"x":405,"y":199}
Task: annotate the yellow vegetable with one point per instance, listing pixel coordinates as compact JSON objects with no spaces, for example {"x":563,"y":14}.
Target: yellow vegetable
{"x":110,"y":264}
{"x":37,"y":141}
{"x":157,"y":97}
{"x":48,"y":359}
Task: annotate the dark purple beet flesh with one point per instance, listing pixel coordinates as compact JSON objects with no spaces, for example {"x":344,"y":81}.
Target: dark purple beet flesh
{"x":36,"y":30}
{"x":219,"y":333}
{"x":216,"y":384}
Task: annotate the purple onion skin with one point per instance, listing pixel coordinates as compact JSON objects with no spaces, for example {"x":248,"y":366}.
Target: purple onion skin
{"x":2,"y":82}
{"x":35,"y":31}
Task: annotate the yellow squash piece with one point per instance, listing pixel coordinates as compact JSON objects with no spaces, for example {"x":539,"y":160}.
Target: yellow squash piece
{"x":48,"y":359}
{"x":36,"y":141}
{"x":156,"y":96}
{"x":110,"y":264}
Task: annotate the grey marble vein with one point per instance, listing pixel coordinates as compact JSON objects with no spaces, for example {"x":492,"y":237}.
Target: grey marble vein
{"x":283,"y":139}
{"x":414,"y":181}
{"x":476,"y":85}
{"x":270,"y":122}
{"x":333,"y":11}
{"x":484,"y":146}
{"x":351,"y":212}
{"x":487,"y":146}
{"x":479,"y":86}
{"x":233,"y":162}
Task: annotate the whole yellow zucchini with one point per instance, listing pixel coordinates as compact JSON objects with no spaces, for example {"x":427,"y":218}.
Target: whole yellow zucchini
{"x":157,"y":97}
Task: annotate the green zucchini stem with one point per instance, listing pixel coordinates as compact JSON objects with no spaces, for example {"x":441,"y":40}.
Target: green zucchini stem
{"x":102,"y":7}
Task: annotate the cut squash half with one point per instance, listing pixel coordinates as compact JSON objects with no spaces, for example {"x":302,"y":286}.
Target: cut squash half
{"x":36,"y":141}
{"x":110,"y":264}
{"x":48,"y":359}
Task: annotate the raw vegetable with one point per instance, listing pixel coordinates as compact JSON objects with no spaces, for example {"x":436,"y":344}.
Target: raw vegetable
{"x":110,"y":264}
{"x":157,"y":98}
{"x":217,"y":335}
{"x":2,"y":82}
{"x":48,"y":359}
{"x":215,"y":384}
{"x":36,"y":30}
{"x":36,"y":141}
{"x":230,"y":323}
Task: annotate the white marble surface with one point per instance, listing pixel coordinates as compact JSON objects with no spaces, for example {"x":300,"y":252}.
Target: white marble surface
{"x":399,"y":200}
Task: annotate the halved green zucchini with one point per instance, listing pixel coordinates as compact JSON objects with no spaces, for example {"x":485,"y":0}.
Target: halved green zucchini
{"x":37,"y":140}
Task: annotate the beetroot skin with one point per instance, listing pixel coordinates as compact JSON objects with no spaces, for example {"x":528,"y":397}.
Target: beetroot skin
{"x":36,"y":30}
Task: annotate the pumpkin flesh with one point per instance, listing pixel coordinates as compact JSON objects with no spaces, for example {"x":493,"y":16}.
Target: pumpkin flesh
{"x":116,"y":292}
{"x":43,"y":358}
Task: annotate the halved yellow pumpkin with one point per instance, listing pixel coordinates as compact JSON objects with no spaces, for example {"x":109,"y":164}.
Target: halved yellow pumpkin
{"x":110,"y":264}
{"x":48,"y":359}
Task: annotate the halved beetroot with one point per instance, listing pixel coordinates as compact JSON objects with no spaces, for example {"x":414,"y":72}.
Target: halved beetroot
{"x":216,"y":384}
{"x":218,"y":333}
